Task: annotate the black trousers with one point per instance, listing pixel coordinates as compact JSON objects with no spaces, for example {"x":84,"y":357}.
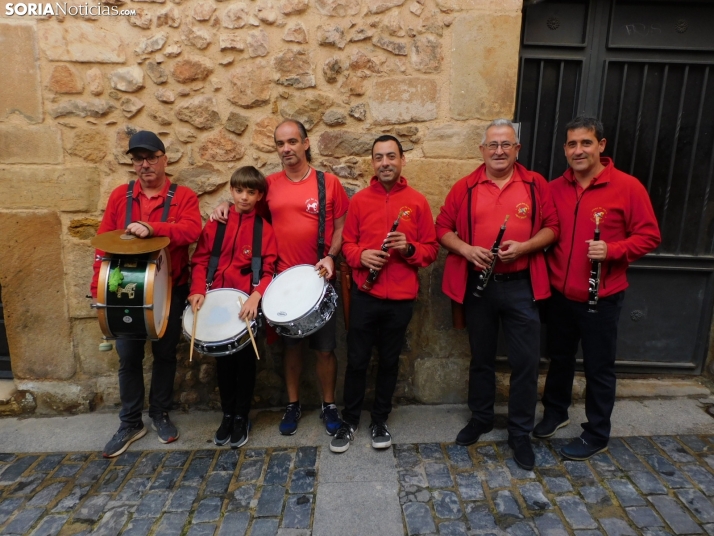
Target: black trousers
{"x":380,"y":323}
{"x":236,"y":381}
{"x":512,"y":303}
{"x":131,"y":368}
{"x":569,"y":323}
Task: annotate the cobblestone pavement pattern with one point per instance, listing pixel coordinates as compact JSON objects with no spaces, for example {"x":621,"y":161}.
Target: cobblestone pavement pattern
{"x":653,"y":486}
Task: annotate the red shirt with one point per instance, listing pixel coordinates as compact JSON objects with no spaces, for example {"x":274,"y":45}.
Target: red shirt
{"x":183,"y":225}
{"x":492,"y":206}
{"x":627,"y":224}
{"x":371,"y":216}
{"x":233,"y":269}
{"x":294,"y":211}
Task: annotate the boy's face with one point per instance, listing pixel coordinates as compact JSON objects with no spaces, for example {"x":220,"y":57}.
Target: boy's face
{"x":245,"y":198}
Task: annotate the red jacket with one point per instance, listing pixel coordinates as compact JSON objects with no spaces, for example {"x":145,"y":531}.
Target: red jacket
{"x":454,"y":218}
{"x":236,"y":251}
{"x":627,"y":224}
{"x":182,"y":226}
{"x":370,"y":217}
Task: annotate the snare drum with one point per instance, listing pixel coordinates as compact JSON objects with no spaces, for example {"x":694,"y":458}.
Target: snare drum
{"x":219,"y":331}
{"x":134,"y":295}
{"x":298,"y":302}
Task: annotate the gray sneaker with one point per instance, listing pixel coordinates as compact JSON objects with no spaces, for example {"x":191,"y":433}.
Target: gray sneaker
{"x":343,"y":437}
{"x":381,"y":438}
{"x":165,"y":428}
{"x":124,"y":437}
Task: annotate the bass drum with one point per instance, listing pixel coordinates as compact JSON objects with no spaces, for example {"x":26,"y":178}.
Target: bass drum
{"x":134,"y":295}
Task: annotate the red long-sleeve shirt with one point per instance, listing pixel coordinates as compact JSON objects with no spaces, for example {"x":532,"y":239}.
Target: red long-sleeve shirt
{"x":627,"y":224}
{"x":236,"y":252}
{"x":454,"y":218}
{"x":370,"y":217}
{"x":182,"y":226}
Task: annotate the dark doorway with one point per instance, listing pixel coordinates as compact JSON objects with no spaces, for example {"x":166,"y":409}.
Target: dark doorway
{"x":646,"y":69}
{"x":5,"y":370}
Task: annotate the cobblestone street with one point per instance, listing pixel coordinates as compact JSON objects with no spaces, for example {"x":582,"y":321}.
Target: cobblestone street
{"x":658,"y":485}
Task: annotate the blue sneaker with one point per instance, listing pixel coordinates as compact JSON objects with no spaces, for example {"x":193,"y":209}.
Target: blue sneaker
{"x":289,"y":422}
{"x":331,"y":417}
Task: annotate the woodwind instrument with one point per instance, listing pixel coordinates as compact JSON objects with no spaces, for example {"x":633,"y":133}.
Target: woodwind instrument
{"x":595,"y":272}
{"x":372,"y":277}
{"x":485,"y":275}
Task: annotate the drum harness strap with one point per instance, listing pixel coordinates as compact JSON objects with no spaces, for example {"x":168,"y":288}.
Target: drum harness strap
{"x":322,"y":214}
{"x":129,"y":203}
{"x":256,"y":261}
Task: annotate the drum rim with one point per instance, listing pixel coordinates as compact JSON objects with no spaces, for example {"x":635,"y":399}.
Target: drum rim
{"x":149,"y":286}
{"x":187,"y":334}
{"x":311,"y":308}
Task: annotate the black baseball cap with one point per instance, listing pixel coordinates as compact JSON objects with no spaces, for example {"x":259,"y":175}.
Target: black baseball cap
{"x":146,"y":140}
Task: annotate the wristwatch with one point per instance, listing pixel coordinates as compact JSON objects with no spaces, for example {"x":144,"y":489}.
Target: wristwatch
{"x":411,"y":250}
{"x":333,"y":257}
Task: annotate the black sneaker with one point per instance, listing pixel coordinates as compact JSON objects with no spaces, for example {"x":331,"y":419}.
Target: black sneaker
{"x":239,"y":434}
{"x":223,"y":434}
{"x":470,"y":433}
{"x":523,"y":453}
{"x":343,"y":437}
{"x":381,"y":438}
{"x":124,"y":437}
{"x":165,"y":428}
{"x":580,"y":450}
{"x":289,"y":422}
{"x":548,"y":426}
{"x":331,"y":417}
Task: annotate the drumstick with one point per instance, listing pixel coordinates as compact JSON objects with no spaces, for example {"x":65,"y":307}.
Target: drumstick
{"x":193,"y":336}
{"x":250,"y":331}
{"x":322,"y":272}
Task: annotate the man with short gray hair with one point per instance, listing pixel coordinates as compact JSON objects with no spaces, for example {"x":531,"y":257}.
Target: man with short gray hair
{"x":469,"y":224}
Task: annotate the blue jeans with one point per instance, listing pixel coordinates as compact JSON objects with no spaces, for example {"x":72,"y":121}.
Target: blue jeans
{"x":512,"y":303}
{"x":131,"y":368}
{"x":569,"y":323}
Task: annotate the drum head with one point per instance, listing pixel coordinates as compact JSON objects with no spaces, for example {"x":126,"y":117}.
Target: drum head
{"x":218,"y":318}
{"x":293,"y":294}
{"x":162,"y":292}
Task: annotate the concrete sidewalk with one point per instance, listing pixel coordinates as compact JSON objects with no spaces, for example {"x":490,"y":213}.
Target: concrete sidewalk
{"x":410,"y":489}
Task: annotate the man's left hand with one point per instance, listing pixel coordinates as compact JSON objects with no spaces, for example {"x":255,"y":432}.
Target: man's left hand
{"x":510,"y":250}
{"x":597,"y":250}
{"x":328,"y":264}
{"x":397,"y":241}
{"x":137,"y":229}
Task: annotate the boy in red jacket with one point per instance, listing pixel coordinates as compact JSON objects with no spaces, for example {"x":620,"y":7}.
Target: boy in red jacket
{"x":592,"y":188}
{"x":380,"y":313}
{"x":236,"y":372}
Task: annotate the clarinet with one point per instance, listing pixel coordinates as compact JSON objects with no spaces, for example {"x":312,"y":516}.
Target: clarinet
{"x":484,"y":276}
{"x":595,"y":271}
{"x":372,"y":277}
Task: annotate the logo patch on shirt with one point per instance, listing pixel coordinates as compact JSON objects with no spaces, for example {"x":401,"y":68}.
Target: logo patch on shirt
{"x":406,"y":213}
{"x":522,"y":210}
{"x":600,"y":213}
{"x":247,"y":251}
{"x":311,"y":206}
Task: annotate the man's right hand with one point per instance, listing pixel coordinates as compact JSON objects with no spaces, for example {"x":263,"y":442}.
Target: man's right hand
{"x":220,"y":213}
{"x":374,"y":259}
{"x":480,"y":257}
{"x":196,"y":301}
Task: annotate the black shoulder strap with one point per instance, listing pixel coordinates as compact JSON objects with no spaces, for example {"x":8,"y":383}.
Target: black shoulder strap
{"x":322,"y":214}
{"x":534,"y":207}
{"x":256,"y":261}
{"x":468,"y":214}
{"x":167,"y":202}
{"x":129,"y":203}
{"x":215,"y":254}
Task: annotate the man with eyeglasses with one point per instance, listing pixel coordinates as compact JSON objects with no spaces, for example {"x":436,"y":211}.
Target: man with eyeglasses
{"x":467,"y":226}
{"x":182,"y":225}
{"x":591,"y":189}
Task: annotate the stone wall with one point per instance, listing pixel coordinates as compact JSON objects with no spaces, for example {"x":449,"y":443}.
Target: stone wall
{"x":213,"y":79}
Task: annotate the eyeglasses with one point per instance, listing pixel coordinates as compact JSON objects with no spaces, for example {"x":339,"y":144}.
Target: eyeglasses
{"x":137,"y":160}
{"x":506,"y":146}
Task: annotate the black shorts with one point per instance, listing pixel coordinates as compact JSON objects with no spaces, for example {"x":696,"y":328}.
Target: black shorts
{"x":323,"y":340}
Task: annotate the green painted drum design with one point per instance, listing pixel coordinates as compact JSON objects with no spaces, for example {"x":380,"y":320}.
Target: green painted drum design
{"x":136,"y":304}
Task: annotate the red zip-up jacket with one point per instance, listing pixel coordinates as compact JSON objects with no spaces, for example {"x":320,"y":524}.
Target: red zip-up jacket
{"x":236,"y":252}
{"x":183,"y":225}
{"x":370,"y":217}
{"x":627,"y":224}
{"x":454,"y":218}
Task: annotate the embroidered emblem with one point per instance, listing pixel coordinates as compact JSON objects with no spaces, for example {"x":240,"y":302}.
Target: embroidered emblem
{"x":311,"y":206}
{"x":247,"y":251}
{"x":522,"y":210}
{"x":600,"y":213}
{"x":406,"y":213}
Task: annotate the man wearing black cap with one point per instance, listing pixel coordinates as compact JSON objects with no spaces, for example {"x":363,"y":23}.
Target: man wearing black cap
{"x":182,"y":225}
